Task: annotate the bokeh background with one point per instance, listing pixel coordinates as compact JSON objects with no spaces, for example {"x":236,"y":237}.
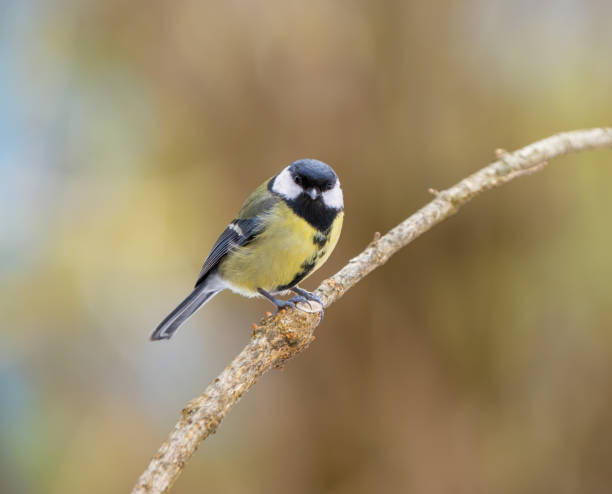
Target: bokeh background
{"x":478,"y":360}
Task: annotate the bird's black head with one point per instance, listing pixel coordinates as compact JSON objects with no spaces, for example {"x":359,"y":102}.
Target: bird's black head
{"x":313,"y":174}
{"x":312,"y":189}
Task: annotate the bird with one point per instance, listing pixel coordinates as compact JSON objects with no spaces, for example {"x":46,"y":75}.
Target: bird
{"x":286,"y":229}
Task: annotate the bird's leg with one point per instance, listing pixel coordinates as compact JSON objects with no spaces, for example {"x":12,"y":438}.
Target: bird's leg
{"x":280,"y":304}
{"x":305,"y":296}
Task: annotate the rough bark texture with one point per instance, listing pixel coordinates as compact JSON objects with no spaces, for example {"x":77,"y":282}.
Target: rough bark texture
{"x":283,"y":336}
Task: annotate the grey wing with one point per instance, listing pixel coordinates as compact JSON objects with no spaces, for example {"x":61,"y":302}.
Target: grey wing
{"x":238,"y":233}
{"x":248,"y":224}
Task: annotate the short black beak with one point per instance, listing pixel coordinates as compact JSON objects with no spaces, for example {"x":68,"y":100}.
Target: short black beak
{"x":313,"y":192}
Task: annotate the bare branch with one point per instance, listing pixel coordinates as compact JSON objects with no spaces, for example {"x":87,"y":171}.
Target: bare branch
{"x":283,"y":336}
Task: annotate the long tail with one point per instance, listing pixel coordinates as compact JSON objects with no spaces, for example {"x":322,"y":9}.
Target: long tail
{"x":200,"y":295}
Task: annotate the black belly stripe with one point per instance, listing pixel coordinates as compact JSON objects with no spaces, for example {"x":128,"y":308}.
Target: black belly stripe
{"x":307,"y":267}
{"x":320,"y":238}
{"x":314,"y":212}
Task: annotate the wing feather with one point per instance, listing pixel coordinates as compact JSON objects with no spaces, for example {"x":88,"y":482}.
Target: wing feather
{"x":241,"y":231}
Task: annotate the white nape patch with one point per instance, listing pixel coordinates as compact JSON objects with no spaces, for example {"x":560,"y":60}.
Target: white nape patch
{"x":333,"y":198}
{"x":286,"y":186}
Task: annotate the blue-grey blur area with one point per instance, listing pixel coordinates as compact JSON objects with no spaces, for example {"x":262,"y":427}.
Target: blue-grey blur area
{"x":478,"y":360}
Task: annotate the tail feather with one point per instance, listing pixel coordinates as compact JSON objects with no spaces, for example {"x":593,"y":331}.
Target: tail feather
{"x":198,"y":297}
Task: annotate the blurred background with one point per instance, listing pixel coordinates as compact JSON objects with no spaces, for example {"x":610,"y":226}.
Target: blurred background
{"x":478,"y":360}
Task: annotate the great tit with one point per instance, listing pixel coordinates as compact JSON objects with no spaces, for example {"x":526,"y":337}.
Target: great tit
{"x":285,"y":231}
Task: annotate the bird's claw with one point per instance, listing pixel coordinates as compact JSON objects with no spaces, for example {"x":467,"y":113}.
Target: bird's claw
{"x":299,"y":298}
{"x":302,"y":296}
{"x":284,"y":305}
{"x":307,"y":297}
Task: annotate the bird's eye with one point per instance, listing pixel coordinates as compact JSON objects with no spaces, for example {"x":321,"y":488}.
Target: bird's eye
{"x":298,"y":180}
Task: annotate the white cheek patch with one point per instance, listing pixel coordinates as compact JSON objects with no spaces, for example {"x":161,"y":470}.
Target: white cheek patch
{"x":285,"y":185}
{"x":333,"y":197}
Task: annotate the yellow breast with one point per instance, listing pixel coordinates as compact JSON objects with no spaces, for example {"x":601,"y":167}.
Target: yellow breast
{"x":286,"y":252}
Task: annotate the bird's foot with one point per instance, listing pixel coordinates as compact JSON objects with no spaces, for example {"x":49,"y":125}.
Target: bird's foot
{"x":302,"y":296}
{"x":279,"y":303}
{"x":283,"y":304}
{"x":298,"y":298}
{"x":307,"y":297}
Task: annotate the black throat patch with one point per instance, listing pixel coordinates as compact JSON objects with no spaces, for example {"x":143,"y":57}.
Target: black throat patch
{"x":316,"y":213}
